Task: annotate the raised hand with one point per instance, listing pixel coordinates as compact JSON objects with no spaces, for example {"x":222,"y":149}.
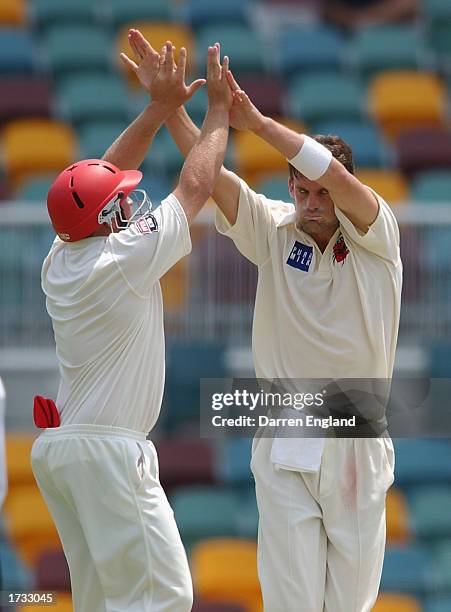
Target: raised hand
{"x":243,"y":114}
{"x":219,"y":91}
{"x":147,"y":59}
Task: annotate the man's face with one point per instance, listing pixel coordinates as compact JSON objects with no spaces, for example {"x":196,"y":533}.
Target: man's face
{"x":315,"y":213}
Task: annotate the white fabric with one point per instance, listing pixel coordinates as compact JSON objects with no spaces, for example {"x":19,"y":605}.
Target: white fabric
{"x":104,"y":298}
{"x":116,"y":526}
{"x":321,"y":535}
{"x":318,"y":317}
{"x":312,"y":160}
{"x":3,"y":470}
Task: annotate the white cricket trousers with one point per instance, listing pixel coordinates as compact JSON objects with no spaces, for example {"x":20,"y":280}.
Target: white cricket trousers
{"x":321,"y":536}
{"x":115,"y":523}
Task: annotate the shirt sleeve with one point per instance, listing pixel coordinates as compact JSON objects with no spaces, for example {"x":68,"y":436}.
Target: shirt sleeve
{"x":257,"y":217}
{"x":382,"y":237}
{"x":146,"y":250}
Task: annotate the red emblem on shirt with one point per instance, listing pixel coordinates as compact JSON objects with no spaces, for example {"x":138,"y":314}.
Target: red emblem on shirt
{"x":340,"y":250}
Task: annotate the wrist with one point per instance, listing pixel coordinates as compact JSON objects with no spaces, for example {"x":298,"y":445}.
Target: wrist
{"x":260,"y":124}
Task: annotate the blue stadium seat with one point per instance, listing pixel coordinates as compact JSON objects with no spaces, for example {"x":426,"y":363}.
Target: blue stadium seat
{"x":247,"y":516}
{"x":95,"y":137}
{"x":368,"y":146}
{"x":204,"y":512}
{"x":275,"y":187}
{"x":442,"y":557}
{"x":438,"y":604}
{"x":47,"y":13}
{"x":437,"y":17}
{"x":157,"y":186}
{"x":200,"y":13}
{"x":430,"y":512}
{"x":432,"y":186}
{"x":419,"y":461}
{"x":408,"y":570}
{"x":100,"y":98}
{"x":34,"y":190}
{"x":326,"y":96}
{"x":233,"y":462}
{"x":17,"y":52}
{"x":241,"y":43}
{"x":299,"y":51}
{"x":72,"y":48}
{"x":122,"y":12}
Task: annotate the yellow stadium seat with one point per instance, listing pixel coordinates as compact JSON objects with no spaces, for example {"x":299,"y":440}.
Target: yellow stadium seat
{"x":401,"y":100}
{"x":63,"y":604}
{"x":29,"y":523}
{"x":18,"y":449}
{"x":398,"y":529}
{"x":13,"y":13}
{"x":157,"y":34}
{"x":392,"y":602}
{"x":390,"y":184}
{"x":37,"y":145}
{"x":174,"y":285}
{"x":226,"y":570}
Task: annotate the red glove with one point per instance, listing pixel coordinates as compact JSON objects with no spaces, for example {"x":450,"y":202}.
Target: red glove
{"x":45,"y":413}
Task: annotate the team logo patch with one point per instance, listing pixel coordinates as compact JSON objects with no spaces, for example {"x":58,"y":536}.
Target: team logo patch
{"x":301,"y":256}
{"x":340,"y":250}
{"x":147,"y":224}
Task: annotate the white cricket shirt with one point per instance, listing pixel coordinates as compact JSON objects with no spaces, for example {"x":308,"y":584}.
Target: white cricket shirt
{"x":104,"y":298}
{"x":320,"y":315}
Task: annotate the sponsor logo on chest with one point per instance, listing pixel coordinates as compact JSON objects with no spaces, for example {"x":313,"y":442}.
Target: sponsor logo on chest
{"x":301,"y":256}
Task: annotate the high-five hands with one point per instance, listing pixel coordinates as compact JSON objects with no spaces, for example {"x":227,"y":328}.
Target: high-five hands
{"x":243,"y":114}
{"x":219,"y":91}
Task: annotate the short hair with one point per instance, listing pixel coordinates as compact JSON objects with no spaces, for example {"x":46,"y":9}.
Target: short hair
{"x":339,"y":149}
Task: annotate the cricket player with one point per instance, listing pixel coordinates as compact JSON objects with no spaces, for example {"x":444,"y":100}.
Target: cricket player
{"x":96,"y":471}
{"x":327,"y":306}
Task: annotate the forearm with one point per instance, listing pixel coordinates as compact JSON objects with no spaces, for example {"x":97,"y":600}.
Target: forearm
{"x":130,"y":148}
{"x":280,"y":137}
{"x":183,"y":130}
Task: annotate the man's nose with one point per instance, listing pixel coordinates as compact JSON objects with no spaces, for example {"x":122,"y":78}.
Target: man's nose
{"x":312,"y":203}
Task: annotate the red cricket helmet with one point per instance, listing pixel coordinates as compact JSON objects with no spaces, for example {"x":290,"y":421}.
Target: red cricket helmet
{"x":80,"y":192}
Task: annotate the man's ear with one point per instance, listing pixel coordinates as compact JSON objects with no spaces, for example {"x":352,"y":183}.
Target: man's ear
{"x":291,"y":186}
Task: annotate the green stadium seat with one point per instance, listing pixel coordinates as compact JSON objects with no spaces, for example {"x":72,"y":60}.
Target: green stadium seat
{"x":387,"y":47}
{"x":275,"y":187}
{"x":17,"y":52}
{"x":421,"y":460}
{"x":441,"y":603}
{"x":437,"y":15}
{"x":121,"y":12}
{"x":157,"y":186}
{"x":430,"y":514}
{"x":432,"y":186}
{"x":47,"y":13}
{"x":197,"y":106}
{"x":204,"y":512}
{"x":408,"y":570}
{"x":242,"y":44}
{"x":201,"y":13}
{"x":442,"y":557}
{"x":247,"y":516}
{"x":325,"y":97}
{"x":303,"y":50}
{"x":95,"y":137}
{"x":71,"y":48}
{"x":34,"y":189}
{"x":368,"y":146}
{"x":232,"y":466}
{"x":100,"y":98}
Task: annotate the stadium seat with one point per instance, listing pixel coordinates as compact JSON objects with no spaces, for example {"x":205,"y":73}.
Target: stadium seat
{"x":429,"y":512}
{"x":204,"y":512}
{"x":369,"y":148}
{"x":94,"y":98}
{"x":52,"y":571}
{"x":13,"y":13}
{"x":266,"y":92}
{"x":201,"y":13}
{"x":390,"y":184}
{"x":432,"y":186}
{"x":174,"y":286}
{"x":442,"y":557}
{"x":274,"y":186}
{"x":163,"y":156}
{"x":255,"y":157}
{"x":303,"y":50}
{"x":438,"y":604}
{"x":32,"y":96}
{"x":156,"y":186}
{"x":400,"y":101}
{"x":5,"y":191}
{"x":17,"y":52}
{"x":398,"y":526}
{"x":31,"y":530}
{"x":184,"y":461}
{"x":50,"y":13}
{"x":71,"y":48}
{"x":387,"y":47}
{"x":393,"y":602}
{"x":127,"y":11}
{"x":37,"y":145}
{"x":34,"y":190}
{"x":226,"y":569}
{"x":424,"y":149}
{"x":437,"y":16}
{"x":241,"y":43}
{"x":197,"y":106}
{"x":408,"y":570}
{"x":419,"y":461}
{"x":18,"y":449}
{"x":157,"y":34}
{"x":232,"y":462}
{"x":326,"y":96}
{"x":15,"y":575}
{"x":96,"y":136}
